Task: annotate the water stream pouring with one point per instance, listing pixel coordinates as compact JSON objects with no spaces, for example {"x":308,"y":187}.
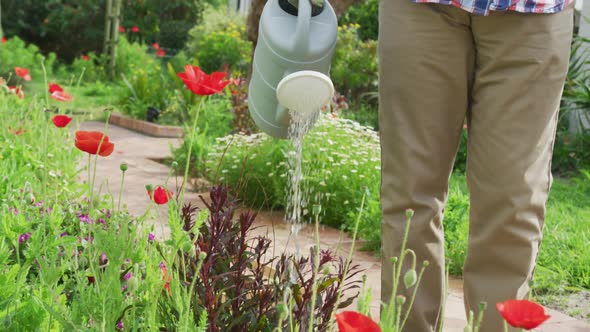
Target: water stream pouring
{"x":291,"y":62}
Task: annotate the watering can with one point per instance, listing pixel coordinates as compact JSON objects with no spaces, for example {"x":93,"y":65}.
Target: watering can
{"x":292,"y":59}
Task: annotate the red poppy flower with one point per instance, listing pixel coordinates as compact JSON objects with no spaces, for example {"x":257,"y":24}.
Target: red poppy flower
{"x":16,"y":132}
{"x":166,"y":278}
{"x":202,"y":84}
{"x":58,"y":93}
{"x":352,"y":321}
{"x":61,"y":121}
{"x":89,"y":141}
{"x":134,"y":29}
{"x":160,"y":195}
{"x":522,"y":313}
{"x":3,"y":40}
{"x":85,"y":57}
{"x":20,"y":93}
{"x":121,"y":29}
{"x":156,"y":46}
{"x":160,"y":53}
{"x":91,"y":279}
{"x":22,"y":72}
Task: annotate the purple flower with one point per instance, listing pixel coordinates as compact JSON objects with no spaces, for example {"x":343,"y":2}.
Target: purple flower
{"x":151,"y":237}
{"x":124,"y":287}
{"x":162,"y":265}
{"x":23,"y":237}
{"x":101,"y":221}
{"x":127,"y":261}
{"x":128,"y":276}
{"x":63,"y":234}
{"x":103,"y":260}
{"x":120,"y":325}
{"x":85,"y":218}
{"x":14,"y":210}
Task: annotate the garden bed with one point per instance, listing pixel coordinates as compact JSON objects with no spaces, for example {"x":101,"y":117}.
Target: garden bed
{"x":145,"y":127}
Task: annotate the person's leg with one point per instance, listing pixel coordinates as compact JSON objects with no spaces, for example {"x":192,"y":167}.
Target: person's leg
{"x":521,"y":64}
{"x":426,"y":60}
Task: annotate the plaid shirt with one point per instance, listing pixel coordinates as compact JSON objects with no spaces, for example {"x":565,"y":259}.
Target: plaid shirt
{"x":483,"y":7}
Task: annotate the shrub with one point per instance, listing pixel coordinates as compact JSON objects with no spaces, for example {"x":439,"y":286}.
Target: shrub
{"x":143,"y":77}
{"x":225,"y":48}
{"x":15,"y":53}
{"x":354,"y":66}
{"x":366,"y":15}
{"x":215,"y":121}
{"x":342,"y":156}
{"x":215,"y":18}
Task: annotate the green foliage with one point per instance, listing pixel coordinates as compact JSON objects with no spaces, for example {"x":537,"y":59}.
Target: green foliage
{"x":354,"y":66}
{"x":91,"y":70}
{"x":367,"y":16}
{"x":53,"y":25}
{"x":15,"y":53}
{"x":226,"y":47}
{"x":142,"y":75}
{"x":215,"y":18}
{"x":69,"y":28}
{"x":342,"y":156}
{"x":215,"y":121}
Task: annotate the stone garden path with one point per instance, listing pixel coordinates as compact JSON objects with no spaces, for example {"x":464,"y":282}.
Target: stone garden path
{"x":140,"y":151}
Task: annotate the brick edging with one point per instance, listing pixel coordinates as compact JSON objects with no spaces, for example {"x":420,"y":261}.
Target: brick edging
{"x":145,"y":127}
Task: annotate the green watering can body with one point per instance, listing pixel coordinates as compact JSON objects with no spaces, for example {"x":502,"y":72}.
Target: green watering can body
{"x":290,"y":39}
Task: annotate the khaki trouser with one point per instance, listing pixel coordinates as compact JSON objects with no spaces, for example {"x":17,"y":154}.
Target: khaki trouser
{"x":505,"y":74}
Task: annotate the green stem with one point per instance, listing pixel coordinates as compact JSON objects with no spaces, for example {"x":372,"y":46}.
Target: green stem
{"x":413,"y":296}
{"x":45,"y":125}
{"x":351,"y":251}
{"x":402,"y":254}
{"x":120,"y":192}
{"x":106,"y":127}
{"x":190,"y":150}
{"x":316,"y":267}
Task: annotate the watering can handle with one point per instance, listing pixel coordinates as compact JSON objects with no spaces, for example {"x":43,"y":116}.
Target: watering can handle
{"x":303,"y":26}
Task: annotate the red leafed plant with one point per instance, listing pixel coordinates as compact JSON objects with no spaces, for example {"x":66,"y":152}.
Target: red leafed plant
{"x":522,"y":313}
{"x":255,"y":284}
{"x":94,"y":142}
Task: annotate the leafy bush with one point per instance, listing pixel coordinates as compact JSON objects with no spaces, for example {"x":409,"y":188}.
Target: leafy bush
{"x":342,"y":156}
{"x":15,"y":53}
{"x":91,"y":70}
{"x":366,"y":15}
{"x":223,"y":48}
{"x":354,"y":66}
{"x":143,"y":76}
{"x":215,"y":121}
{"x":53,"y":25}
{"x":215,"y":18}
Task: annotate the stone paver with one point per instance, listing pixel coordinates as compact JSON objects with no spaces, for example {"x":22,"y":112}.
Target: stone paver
{"x":139,"y":151}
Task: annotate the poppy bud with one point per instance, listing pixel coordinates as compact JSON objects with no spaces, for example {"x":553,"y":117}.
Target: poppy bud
{"x":149,"y":187}
{"x":30,"y":198}
{"x":123,"y":167}
{"x":409,"y":213}
{"x":400,"y":299}
{"x":410,"y":278}
{"x":174,"y":164}
{"x":133,"y":284}
{"x":202,"y":256}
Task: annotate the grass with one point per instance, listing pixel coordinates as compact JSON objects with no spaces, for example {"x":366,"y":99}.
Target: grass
{"x":563,"y":267}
